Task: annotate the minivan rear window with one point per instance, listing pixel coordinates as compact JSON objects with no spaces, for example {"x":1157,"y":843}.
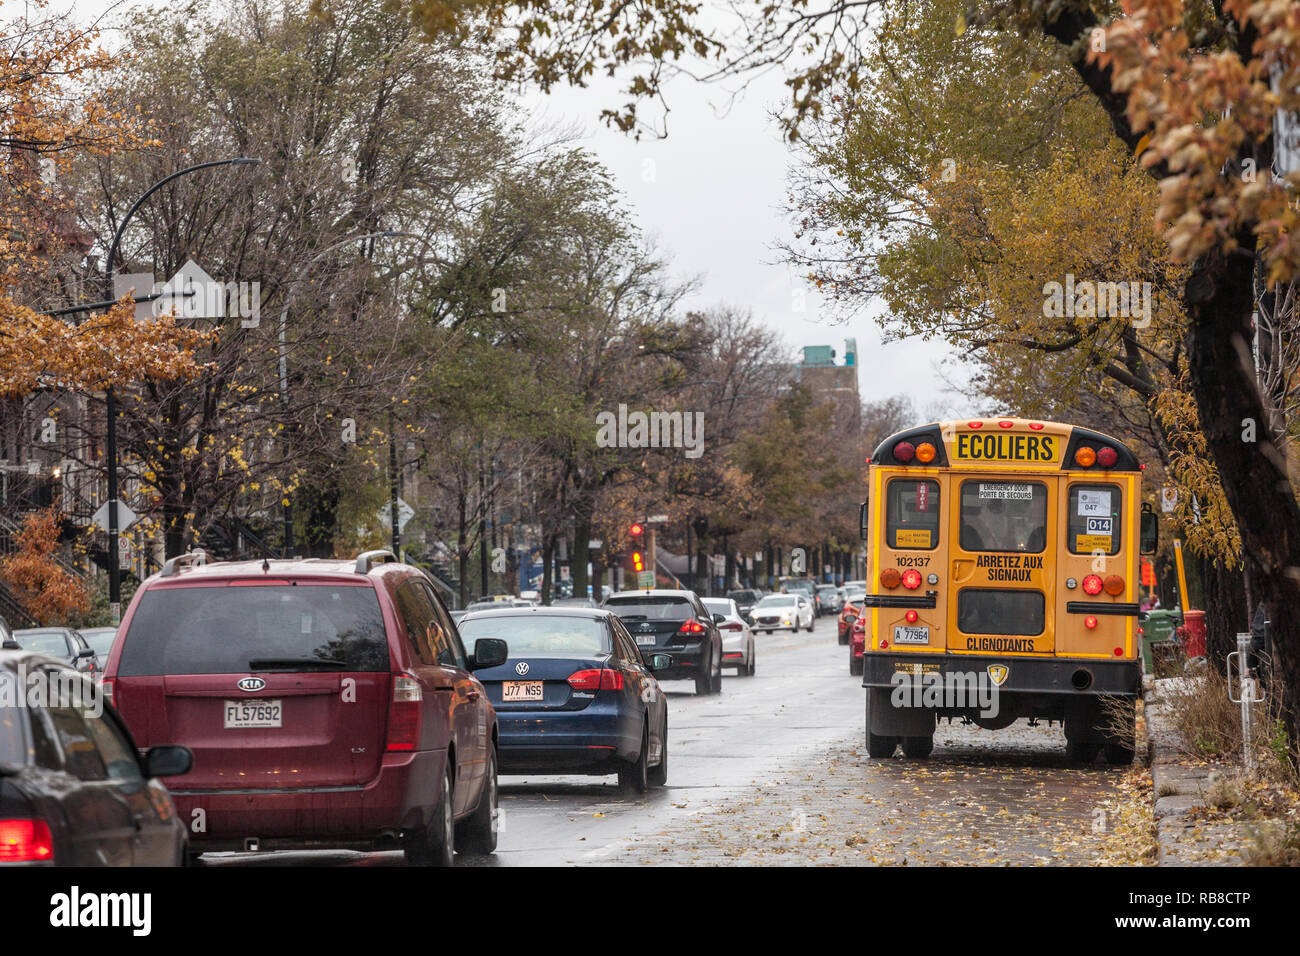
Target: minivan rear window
{"x":224,"y":630}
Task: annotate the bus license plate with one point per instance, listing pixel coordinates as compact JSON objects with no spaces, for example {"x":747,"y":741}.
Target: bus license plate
{"x":521,"y":690}
{"x":242,"y":714}
{"x":907,"y":634}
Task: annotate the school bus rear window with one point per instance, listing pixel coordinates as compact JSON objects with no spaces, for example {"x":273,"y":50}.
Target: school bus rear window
{"x":1094,"y":519}
{"x":1003,"y":516}
{"x":912,"y":514}
{"x":988,"y":611}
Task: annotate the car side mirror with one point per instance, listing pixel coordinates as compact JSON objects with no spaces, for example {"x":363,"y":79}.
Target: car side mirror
{"x":488,"y":652}
{"x":719,"y":618}
{"x":862,"y":520}
{"x":168,"y":761}
{"x":1149,"y":534}
{"x":85,"y":652}
{"x":659,"y":662}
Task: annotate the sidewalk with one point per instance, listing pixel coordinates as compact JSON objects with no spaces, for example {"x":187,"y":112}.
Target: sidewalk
{"x":1190,"y":831}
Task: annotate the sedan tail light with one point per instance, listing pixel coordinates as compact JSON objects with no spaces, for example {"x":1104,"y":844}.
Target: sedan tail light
{"x":731,"y":626}
{"x":596,"y":679}
{"x":405,"y":714}
{"x":25,"y":841}
{"x":691,"y":627}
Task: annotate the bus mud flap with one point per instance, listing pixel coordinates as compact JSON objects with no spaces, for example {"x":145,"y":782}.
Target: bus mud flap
{"x":887,"y":720}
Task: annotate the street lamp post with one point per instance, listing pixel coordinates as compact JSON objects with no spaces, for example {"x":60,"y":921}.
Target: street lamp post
{"x":110,"y":405}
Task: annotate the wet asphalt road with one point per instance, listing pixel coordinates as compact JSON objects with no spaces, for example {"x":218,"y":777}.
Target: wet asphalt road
{"x":781,"y":753}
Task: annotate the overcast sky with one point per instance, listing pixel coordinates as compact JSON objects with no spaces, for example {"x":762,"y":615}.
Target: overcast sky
{"x":713,"y":195}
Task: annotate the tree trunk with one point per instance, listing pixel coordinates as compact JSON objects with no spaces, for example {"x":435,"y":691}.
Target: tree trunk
{"x":581,"y":554}
{"x":1220,"y":299}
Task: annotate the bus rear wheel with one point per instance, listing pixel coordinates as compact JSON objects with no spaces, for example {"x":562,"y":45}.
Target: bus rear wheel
{"x":917,"y":748}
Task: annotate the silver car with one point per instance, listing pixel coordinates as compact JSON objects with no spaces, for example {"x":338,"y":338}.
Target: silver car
{"x":737,"y":638}
{"x":779,"y":612}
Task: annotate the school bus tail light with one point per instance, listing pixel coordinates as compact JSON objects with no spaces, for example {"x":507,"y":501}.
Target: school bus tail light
{"x":1085,"y":457}
{"x":911,"y":579}
{"x":904,"y":452}
{"x":890,"y":578}
{"x":1092,"y":584}
{"x":1106,"y":457}
{"x":1113,"y":585}
{"x":911,"y":617}
{"x":1090,"y":622}
{"x":925,"y":453}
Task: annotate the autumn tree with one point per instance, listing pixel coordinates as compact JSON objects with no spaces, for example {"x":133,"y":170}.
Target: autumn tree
{"x":48,"y":591}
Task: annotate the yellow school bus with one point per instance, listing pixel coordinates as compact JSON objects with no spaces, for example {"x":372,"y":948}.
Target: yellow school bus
{"x":1002,"y":583}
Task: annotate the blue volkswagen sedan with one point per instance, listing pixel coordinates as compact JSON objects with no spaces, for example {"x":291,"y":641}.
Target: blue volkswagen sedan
{"x":575,"y":695}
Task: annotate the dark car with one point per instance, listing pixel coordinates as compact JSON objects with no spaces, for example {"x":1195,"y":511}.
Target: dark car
{"x":575,"y":696}
{"x":831,"y":597}
{"x":60,"y":642}
{"x":745,"y":599}
{"x":675,"y":623}
{"x":327,"y":703}
{"x":74,"y":790}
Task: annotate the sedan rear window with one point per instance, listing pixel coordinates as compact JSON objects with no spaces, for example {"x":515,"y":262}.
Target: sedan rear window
{"x":662,"y":608}
{"x":777,"y":600}
{"x":231,"y":630}
{"x":13,"y":746}
{"x":52,"y":643}
{"x":540,"y":635}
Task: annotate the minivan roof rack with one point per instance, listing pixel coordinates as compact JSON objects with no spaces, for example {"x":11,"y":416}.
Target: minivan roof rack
{"x":195,"y":558}
{"x":368,"y":558}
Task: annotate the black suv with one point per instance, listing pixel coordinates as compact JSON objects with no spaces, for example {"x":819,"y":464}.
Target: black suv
{"x":675,"y":623}
{"x":745,"y":600}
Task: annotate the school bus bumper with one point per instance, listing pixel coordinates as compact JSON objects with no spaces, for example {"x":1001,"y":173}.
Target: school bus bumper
{"x":1019,"y":675}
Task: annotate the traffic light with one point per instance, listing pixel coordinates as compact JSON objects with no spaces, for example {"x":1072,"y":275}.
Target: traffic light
{"x":636,"y":530}
{"x":638,"y":562}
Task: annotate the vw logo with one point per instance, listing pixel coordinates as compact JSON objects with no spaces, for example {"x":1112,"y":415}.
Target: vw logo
{"x":521,"y":668}
{"x":251,"y":684}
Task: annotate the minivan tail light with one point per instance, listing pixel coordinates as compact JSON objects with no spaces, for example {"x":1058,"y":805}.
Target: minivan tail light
{"x":25,"y":841}
{"x":108,"y":686}
{"x":405,"y":714}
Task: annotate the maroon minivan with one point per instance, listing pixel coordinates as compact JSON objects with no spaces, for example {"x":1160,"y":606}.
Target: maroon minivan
{"x":327,"y":704}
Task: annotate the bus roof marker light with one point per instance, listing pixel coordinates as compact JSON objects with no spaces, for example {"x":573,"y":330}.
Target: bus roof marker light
{"x":1085,"y":457}
{"x":1006,"y":424}
{"x":1036,"y":426}
{"x":974,"y":424}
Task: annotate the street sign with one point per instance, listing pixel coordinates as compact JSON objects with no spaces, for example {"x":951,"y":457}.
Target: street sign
{"x":139,"y":284}
{"x":125,"y":517}
{"x":645,"y":579}
{"x":404,"y":514}
{"x":124,"y":556}
{"x":1168,"y":499}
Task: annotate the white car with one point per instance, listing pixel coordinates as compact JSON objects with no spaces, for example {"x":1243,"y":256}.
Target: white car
{"x":737,"y":638}
{"x":779,"y":612}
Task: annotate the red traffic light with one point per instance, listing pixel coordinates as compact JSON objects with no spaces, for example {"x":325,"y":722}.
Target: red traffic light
{"x":635,"y":531}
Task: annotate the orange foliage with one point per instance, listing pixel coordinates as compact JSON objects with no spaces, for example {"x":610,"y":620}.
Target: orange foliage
{"x":49,"y":117}
{"x":39,"y":583}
